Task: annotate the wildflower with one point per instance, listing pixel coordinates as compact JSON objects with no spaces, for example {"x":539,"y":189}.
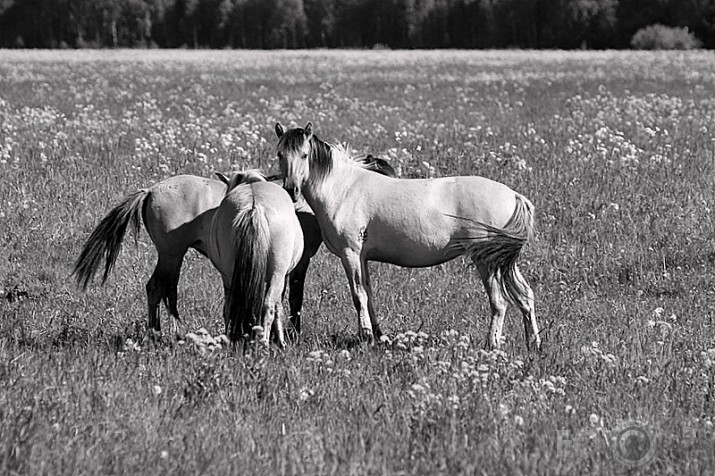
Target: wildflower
{"x":304,"y":394}
{"x":518,"y":420}
{"x":453,"y":401}
{"x":130,"y":346}
{"x":503,"y":410}
{"x":610,"y":359}
{"x":595,"y":420}
{"x":344,"y":354}
{"x":156,"y":390}
{"x":316,"y":356}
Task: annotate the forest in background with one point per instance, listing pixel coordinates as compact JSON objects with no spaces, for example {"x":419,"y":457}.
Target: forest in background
{"x":267,"y":24}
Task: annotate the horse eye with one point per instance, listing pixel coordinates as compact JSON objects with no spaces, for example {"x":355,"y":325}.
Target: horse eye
{"x":305,"y":156}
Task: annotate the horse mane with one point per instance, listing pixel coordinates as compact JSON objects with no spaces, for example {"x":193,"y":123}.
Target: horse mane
{"x":323,"y":155}
{"x":246,"y":176}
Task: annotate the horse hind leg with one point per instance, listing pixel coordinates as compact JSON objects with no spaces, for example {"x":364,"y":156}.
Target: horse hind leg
{"x":154,"y":294}
{"x":295,"y":294}
{"x":163,"y":286}
{"x":497,"y":303}
{"x":271,"y":313}
{"x":525,"y":302}
{"x":278,"y":325}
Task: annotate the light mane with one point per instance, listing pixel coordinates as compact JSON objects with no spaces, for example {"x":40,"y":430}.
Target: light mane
{"x":245,"y":177}
{"x":324,"y":155}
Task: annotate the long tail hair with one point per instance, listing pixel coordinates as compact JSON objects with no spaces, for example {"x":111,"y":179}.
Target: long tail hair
{"x":248,"y":282}
{"x":501,"y":248}
{"x":105,"y":242}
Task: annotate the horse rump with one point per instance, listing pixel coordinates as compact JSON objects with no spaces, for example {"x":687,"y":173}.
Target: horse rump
{"x":248,"y":281}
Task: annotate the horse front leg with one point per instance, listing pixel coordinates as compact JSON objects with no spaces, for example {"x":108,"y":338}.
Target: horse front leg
{"x":356,"y":279}
{"x":371,"y":301}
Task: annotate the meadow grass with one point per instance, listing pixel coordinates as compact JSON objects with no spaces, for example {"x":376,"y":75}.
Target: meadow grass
{"x":615,"y":149}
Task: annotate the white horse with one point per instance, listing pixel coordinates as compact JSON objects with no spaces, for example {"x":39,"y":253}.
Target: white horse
{"x":255,"y":241}
{"x":177,"y":213}
{"x":414,"y":223}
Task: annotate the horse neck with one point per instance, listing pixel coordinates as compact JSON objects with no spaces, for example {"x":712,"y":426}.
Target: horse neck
{"x":325,"y":191}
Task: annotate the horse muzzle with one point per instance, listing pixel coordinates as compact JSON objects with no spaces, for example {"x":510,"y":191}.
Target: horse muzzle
{"x":293,"y":191}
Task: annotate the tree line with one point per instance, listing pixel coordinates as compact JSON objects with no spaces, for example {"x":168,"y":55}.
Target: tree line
{"x":264,"y":24}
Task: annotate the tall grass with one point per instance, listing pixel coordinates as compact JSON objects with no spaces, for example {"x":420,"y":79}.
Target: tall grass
{"x":616,"y":150}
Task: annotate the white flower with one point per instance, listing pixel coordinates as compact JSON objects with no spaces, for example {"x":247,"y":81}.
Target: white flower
{"x":304,"y":394}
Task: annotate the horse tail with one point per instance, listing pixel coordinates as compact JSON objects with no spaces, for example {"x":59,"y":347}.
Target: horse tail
{"x":501,"y":249}
{"x":106,"y":239}
{"x":248,"y":282}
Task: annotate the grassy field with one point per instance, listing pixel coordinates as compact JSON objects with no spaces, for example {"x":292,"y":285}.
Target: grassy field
{"x":616,"y":150}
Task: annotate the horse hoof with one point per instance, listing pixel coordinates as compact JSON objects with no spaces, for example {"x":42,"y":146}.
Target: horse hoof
{"x":152,"y":335}
{"x":366,"y":336}
{"x":292,"y":335}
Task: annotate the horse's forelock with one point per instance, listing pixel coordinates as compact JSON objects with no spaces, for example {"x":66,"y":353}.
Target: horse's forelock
{"x":292,"y":139}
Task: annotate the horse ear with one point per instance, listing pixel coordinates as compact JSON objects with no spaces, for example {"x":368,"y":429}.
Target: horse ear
{"x":279,"y":130}
{"x":309,"y":129}
{"x":222,"y":177}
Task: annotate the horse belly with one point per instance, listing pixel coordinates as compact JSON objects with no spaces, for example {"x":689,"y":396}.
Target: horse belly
{"x":413,"y":247}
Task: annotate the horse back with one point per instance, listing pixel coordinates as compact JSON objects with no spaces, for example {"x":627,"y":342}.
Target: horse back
{"x":416,"y":222}
{"x":179,"y":210}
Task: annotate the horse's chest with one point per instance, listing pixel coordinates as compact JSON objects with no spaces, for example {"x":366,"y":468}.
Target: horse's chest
{"x":339,"y":233}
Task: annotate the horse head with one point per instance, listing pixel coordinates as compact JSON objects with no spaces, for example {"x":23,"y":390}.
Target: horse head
{"x":294,"y":151}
